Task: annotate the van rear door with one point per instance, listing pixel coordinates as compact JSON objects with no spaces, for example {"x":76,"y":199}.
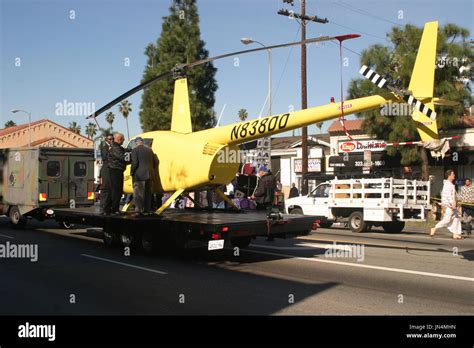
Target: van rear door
{"x":81,"y":180}
{"x":54,"y":177}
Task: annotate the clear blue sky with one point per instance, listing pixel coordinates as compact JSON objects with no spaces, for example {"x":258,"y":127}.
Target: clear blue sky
{"x":82,"y":60}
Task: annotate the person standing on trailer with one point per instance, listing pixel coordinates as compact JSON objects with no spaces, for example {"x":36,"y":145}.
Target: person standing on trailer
{"x":142,"y":171}
{"x":264,"y":194}
{"x":450,"y":217}
{"x":105,"y":194}
{"x":116,"y":162}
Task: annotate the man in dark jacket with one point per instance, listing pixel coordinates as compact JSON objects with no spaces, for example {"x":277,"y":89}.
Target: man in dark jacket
{"x":293,"y":191}
{"x":143,"y":172}
{"x":116,"y":162}
{"x":264,"y":194}
{"x":105,"y":197}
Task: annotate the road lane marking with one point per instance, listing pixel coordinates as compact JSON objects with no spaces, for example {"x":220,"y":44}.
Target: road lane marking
{"x":4,"y":235}
{"x":305,"y":246}
{"x":381,"y":268}
{"x":124,"y":264}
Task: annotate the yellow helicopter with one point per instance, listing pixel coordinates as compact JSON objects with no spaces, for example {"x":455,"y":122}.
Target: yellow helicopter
{"x":189,"y":161}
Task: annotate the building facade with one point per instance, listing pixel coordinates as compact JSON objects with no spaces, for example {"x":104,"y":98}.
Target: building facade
{"x":43,"y":133}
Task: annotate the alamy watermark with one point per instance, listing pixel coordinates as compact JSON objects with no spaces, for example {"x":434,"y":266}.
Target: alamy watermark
{"x":68,"y":108}
{"x":349,"y":251}
{"x":19,"y":251}
{"x":396,"y":109}
{"x":37,"y":331}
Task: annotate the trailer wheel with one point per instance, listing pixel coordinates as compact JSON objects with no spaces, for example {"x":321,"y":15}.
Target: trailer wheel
{"x":356,"y":222}
{"x":110,"y":239}
{"x":126,"y":238}
{"x":241,"y":242}
{"x":147,"y":242}
{"x":296,"y":211}
{"x":393,"y":226}
{"x":16,"y":218}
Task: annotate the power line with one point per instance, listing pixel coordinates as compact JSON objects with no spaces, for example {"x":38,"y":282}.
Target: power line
{"x":363,"y":12}
{"x":286,"y":63}
{"x":359,"y":31}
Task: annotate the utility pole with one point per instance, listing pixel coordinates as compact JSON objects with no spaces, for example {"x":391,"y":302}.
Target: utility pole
{"x":304,"y":97}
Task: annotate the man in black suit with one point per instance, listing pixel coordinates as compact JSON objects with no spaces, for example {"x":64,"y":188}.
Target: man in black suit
{"x":105,"y":197}
{"x":116,"y":164}
{"x":142,"y":171}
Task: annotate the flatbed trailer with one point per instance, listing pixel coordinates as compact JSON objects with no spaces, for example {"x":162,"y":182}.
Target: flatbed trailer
{"x":189,"y":227}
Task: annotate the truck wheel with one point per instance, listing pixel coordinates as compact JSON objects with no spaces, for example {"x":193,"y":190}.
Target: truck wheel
{"x":356,"y":222}
{"x":325,"y":224}
{"x":393,"y":226}
{"x":241,"y":242}
{"x":296,"y":211}
{"x":16,"y":218}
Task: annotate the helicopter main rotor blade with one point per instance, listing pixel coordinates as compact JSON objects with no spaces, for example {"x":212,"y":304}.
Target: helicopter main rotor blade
{"x":211,"y":59}
{"x":130,"y":92}
{"x":304,"y":42}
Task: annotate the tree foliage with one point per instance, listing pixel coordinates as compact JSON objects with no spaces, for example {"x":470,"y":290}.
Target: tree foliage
{"x":396,"y":63}
{"x":74,"y":127}
{"x":179,"y":42}
{"x":243,"y":114}
{"x":9,"y":124}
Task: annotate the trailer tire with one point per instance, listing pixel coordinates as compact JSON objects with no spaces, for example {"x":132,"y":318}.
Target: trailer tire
{"x":17,"y":220}
{"x":393,"y":226}
{"x":241,"y":242}
{"x":110,"y":239}
{"x":147,"y":242}
{"x":126,"y":239}
{"x":296,"y":211}
{"x":356,"y":222}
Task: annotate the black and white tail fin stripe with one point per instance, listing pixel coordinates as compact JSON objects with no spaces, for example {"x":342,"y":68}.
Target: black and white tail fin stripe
{"x":411,"y":100}
{"x":373,"y":76}
{"x":382,"y":83}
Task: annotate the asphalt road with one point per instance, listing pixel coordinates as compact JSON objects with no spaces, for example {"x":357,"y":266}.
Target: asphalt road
{"x":406,"y":273}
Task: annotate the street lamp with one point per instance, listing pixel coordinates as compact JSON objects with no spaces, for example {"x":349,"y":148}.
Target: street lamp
{"x":247,"y":41}
{"x":29,"y":123}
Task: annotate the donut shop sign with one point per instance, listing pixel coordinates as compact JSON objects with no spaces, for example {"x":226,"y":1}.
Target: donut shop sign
{"x":361,"y":145}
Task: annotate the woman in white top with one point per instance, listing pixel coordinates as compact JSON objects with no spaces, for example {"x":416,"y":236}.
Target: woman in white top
{"x":449,"y":206}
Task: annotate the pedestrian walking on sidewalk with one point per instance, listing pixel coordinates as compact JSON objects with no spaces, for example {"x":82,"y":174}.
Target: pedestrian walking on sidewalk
{"x":449,"y":208}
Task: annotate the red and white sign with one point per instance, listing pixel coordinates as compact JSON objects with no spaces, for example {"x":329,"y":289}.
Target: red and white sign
{"x":362,"y":145}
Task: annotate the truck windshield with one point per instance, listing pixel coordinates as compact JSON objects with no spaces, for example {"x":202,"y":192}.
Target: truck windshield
{"x":321,"y":191}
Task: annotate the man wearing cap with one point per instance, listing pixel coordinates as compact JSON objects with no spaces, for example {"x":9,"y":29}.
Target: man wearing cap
{"x":142,"y":171}
{"x":264,"y":194}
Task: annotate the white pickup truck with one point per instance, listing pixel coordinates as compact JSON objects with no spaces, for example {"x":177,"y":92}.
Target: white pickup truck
{"x":363,"y":203}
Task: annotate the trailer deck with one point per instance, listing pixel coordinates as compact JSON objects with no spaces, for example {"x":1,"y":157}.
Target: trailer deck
{"x":191,"y":225}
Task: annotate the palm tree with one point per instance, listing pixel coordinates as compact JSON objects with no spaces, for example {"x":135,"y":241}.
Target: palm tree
{"x":125,"y":108}
{"x":320,"y":126}
{"x":74,"y":127}
{"x":10,"y":124}
{"x":243,"y":114}
{"x":91,"y":130}
{"x":110,"y":117}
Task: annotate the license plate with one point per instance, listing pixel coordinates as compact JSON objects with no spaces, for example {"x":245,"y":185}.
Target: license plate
{"x":215,"y":244}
